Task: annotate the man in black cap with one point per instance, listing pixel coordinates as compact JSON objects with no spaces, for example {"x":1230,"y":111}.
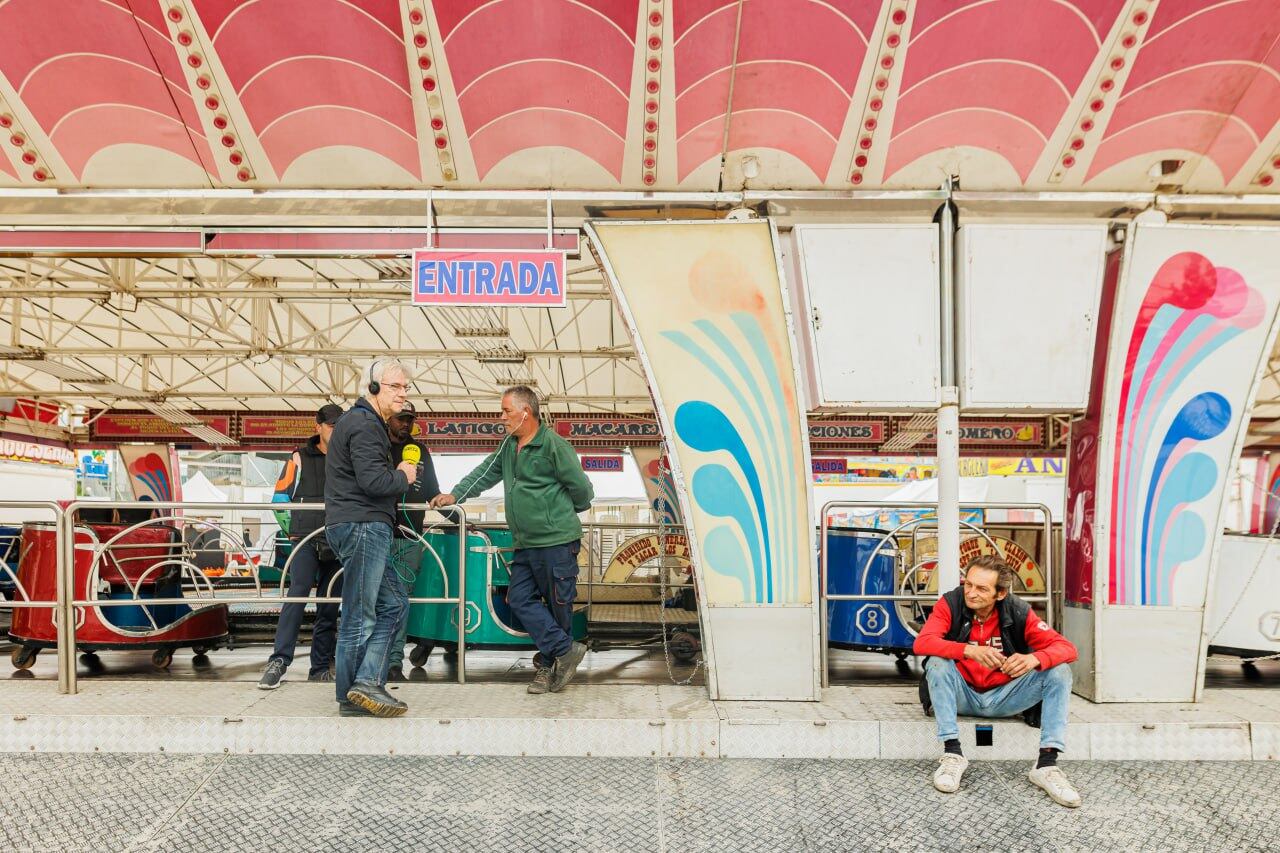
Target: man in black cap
{"x":312,"y":564}
{"x":406,"y":549}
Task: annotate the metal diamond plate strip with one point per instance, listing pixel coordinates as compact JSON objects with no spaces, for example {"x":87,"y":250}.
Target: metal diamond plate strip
{"x":1158,"y":741}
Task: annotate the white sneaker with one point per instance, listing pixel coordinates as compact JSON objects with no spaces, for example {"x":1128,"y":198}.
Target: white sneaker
{"x":1055,"y":784}
{"x":950,"y":770}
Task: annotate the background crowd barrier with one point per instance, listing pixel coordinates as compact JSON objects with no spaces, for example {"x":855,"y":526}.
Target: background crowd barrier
{"x":910,"y":581}
{"x":17,"y":594}
{"x":158,"y":572}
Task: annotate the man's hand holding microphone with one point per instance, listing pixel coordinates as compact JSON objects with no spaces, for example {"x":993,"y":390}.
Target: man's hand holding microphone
{"x":410,"y":458}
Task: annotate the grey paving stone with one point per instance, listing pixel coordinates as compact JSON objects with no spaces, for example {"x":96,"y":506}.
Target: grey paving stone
{"x":358,"y":803}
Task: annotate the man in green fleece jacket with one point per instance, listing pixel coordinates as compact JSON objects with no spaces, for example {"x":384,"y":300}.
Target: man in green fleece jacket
{"x":544,"y":489}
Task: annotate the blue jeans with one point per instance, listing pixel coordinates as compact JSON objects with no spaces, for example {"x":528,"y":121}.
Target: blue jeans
{"x":952,"y":695}
{"x":306,"y":571}
{"x":544,"y":583}
{"x":372,"y":602}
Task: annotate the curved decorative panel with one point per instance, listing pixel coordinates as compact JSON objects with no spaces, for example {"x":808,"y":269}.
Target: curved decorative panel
{"x":706,"y":308}
{"x":1193,"y":321}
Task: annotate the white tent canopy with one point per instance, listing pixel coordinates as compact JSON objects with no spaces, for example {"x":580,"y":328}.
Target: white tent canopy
{"x":1050,"y":491}
{"x":199,"y":489}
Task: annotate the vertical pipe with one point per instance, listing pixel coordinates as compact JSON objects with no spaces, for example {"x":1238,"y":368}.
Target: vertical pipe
{"x":462,"y":595}
{"x":948,"y":431}
{"x":65,"y":594}
{"x":1047,"y":532}
{"x":823,"y":617}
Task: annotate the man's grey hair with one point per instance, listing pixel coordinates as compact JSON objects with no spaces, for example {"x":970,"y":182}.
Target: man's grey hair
{"x":524,"y":397}
{"x":380,"y":367}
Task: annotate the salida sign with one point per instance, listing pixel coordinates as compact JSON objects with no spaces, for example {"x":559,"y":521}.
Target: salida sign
{"x":442,"y":277}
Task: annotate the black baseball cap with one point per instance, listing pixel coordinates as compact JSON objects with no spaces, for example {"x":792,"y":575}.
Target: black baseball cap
{"x":407,"y":412}
{"x":328,"y":414}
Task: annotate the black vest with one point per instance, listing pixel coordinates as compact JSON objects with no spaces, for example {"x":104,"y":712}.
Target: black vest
{"x":310,"y":490}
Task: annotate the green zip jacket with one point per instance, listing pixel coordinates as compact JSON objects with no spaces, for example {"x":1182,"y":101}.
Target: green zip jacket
{"x":543,"y":485}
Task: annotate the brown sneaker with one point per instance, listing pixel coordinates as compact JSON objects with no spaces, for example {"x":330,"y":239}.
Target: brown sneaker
{"x":375,"y":700}
{"x":541,"y":680}
{"x":566,"y":665}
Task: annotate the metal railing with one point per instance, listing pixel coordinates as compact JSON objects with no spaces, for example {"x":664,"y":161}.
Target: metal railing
{"x":600,"y":555}
{"x":198,"y":590}
{"x":928,"y":517}
{"x":9,"y":565}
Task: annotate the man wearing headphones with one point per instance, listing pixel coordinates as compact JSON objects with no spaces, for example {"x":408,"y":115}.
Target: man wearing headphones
{"x":362,"y":490}
{"x":545,"y":489}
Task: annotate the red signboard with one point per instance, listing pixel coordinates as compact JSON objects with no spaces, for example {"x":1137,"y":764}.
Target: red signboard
{"x":846,"y":432}
{"x":277,"y":426}
{"x":135,"y":425}
{"x":1002,"y":432}
{"x":444,"y":277}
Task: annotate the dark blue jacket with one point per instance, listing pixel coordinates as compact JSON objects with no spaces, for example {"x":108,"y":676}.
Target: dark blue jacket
{"x":360,"y":483}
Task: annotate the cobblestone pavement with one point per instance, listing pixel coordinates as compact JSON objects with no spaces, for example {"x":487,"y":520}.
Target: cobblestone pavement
{"x":192,"y":802}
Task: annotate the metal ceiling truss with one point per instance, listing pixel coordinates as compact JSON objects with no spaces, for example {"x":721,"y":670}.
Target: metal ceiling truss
{"x":266,"y":333}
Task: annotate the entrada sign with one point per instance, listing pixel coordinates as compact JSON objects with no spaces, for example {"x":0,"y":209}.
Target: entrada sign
{"x":442,"y":277}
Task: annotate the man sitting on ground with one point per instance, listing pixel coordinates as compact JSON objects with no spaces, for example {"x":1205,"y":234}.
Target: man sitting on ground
{"x":990,"y":656}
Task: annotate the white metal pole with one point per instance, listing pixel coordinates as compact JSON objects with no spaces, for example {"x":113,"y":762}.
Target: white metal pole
{"x":948,"y":430}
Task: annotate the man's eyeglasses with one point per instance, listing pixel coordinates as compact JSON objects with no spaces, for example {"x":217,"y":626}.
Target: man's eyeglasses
{"x":398,"y":387}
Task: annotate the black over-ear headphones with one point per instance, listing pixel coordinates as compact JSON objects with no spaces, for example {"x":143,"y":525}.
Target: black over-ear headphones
{"x":374,"y":385}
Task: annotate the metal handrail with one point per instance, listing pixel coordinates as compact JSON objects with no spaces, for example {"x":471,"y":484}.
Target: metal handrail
{"x":66,"y":572}
{"x":825,"y":525}
{"x":61,"y":591}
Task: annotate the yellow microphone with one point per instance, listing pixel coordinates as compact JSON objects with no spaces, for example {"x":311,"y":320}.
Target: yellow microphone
{"x":412,"y":453}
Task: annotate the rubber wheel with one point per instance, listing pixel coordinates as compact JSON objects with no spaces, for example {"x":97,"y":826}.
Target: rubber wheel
{"x":418,"y":656}
{"x":161,"y":658}
{"x":201,"y":651}
{"x":684,"y":647}
{"x":23,"y":657}
{"x":450,"y":651}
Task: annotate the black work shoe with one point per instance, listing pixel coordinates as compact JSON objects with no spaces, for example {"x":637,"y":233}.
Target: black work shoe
{"x":541,"y":680}
{"x":351,"y":709}
{"x":396,"y":674}
{"x":375,"y":700}
{"x":566,"y":665}
{"x":273,"y":676}
{"x":322,"y":675}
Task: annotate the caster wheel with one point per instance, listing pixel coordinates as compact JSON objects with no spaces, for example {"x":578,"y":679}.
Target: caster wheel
{"x":23,"y":657}
{"x":1250,"y":672}
{"x":201,"y":651}
{"x":684,"y":647}
{"x":418,"y":656}
{"x":904,"y":667}
{"x":451,"y":651}
{"x":161,"y":658}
